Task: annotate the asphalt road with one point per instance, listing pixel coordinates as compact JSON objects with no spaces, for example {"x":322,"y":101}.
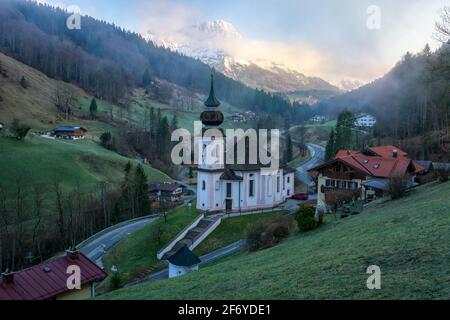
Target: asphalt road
{"x":164,"y":274}
{"x":97,"y":248}
{"x":317,"y":157}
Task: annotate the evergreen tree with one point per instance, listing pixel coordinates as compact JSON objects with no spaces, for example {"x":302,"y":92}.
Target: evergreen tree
{"x":107,"y":141}
{"x":289,"y":148}
{"x":93,"y":108}
{"x":330,"y":150}
{"x":174,"y":123}
{"x":344,"y":131}
{"x":140,"y":191}
{"x":146,"y":78}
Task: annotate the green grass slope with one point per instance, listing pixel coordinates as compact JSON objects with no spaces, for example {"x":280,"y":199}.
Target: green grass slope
{"x":135,"y":256}
{"x":39,"y":161}
{"x":409,"y":239}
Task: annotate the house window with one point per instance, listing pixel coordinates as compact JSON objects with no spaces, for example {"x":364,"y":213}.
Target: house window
{"x":217,"y":185}
{"x":229,"y":189}
{"x":203,"y":185}
{"x":252,"y":188}
{"x":278,"y":184}
{"x":288,"y":179}
{"x":328,"y":183}
{"x":289,"y":192}
{"x":269,"y":186}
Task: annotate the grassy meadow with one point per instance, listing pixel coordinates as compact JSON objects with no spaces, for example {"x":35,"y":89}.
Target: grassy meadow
{"x":408,"y":239}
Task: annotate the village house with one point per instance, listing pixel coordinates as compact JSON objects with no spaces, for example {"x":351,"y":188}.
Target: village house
{"x":364,"y":175}
{"x":166,"y":192}
{"x":318,"y":119}
{"x":48,"y":281}
{"x":239,"y":187}
{"x":243,"y":116}
{"x":71,"y":133}
{"x":365,"y":121}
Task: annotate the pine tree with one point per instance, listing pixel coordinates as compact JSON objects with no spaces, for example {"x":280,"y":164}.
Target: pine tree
{"x":289,"y":150}
{"x":330,"y":150}
{"x":146,"y":78}
{"x":174,"y":123}
{"x":140,"y":191}
{"x":93,"y":108}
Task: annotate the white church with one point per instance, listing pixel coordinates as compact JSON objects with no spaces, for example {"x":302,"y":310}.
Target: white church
{"x":239,"y":187}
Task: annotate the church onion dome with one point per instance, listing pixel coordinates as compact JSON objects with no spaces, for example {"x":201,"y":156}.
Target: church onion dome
{"x":212,"y":117}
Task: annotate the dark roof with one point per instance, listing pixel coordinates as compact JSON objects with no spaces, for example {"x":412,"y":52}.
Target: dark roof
{"x":230,"y":175}
{"x":212,"y":101}
{"x":376,"y":185}
{"x":184,"y":258}
{"x":441,"y":166}
{"x":167,"y":187}
{"x":427,"y":165}
{"x":37,"y":283}
{"x":69,"y":129}
{"x":288,"y":169}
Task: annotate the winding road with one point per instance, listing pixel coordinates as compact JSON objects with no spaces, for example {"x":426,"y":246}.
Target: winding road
{"x":164,"y":274}
{"x":97,"y":246}
{"x":317,"y":157}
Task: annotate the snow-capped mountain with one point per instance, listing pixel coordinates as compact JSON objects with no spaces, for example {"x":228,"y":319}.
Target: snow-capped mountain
{"x":214,"y":42}
{"x":350,"y":85}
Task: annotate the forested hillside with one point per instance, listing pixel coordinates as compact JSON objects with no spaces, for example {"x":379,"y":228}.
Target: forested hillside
{"x":411,"y":103}
{"x":108,"y":61}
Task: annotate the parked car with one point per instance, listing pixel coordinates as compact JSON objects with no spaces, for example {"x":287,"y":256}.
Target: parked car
{"x":300,"y":196}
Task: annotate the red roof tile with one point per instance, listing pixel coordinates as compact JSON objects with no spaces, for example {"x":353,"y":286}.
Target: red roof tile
{"x":378,"y":162}
{"x":387,"y":151}
{"x":36,"y":284}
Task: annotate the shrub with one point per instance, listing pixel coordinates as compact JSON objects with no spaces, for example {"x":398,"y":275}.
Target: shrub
{"x":20,"y":131}
{"x":397,"y":187}
{"x":305,"y":219}
{"x":263,"y":236}
{"x":107,"y":141}
{"x":116,"y":281}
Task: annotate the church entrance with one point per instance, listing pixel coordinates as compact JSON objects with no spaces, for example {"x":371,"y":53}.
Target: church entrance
{"x":229,"y":205}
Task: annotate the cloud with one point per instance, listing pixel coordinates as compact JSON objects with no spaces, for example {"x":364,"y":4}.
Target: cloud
{"x":329,"y":40}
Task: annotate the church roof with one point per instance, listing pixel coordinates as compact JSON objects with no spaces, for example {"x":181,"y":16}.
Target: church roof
{"x":184,"y":258}
{"x":230,"y":175}
{"x":212,"y":101}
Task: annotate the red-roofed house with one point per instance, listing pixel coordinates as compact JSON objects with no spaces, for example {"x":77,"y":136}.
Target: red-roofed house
{"x":48,"y":281}
{"x":367,"y":173}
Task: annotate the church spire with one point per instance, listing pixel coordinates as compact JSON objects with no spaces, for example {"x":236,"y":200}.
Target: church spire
{"x":212,"y":101}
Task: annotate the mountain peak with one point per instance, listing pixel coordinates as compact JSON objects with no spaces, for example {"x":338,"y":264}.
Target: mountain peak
{"x":219,"y":29}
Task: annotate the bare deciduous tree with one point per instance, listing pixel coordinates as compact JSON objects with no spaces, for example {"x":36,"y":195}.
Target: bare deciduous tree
{"x":443,"y":26}
{"x":64,"y":101}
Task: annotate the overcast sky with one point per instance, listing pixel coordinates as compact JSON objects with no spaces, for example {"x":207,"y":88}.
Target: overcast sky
{"x":327,"y":38}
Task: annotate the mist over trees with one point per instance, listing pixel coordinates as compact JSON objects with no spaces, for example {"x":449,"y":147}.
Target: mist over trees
{"x":411,"y":101}
{"x":107,"y":60}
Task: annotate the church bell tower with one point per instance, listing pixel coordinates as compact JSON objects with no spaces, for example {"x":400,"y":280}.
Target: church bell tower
{"x":212,"y":148}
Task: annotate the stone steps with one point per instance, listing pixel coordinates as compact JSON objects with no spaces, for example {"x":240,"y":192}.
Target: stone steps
{"x":190,"y":237}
